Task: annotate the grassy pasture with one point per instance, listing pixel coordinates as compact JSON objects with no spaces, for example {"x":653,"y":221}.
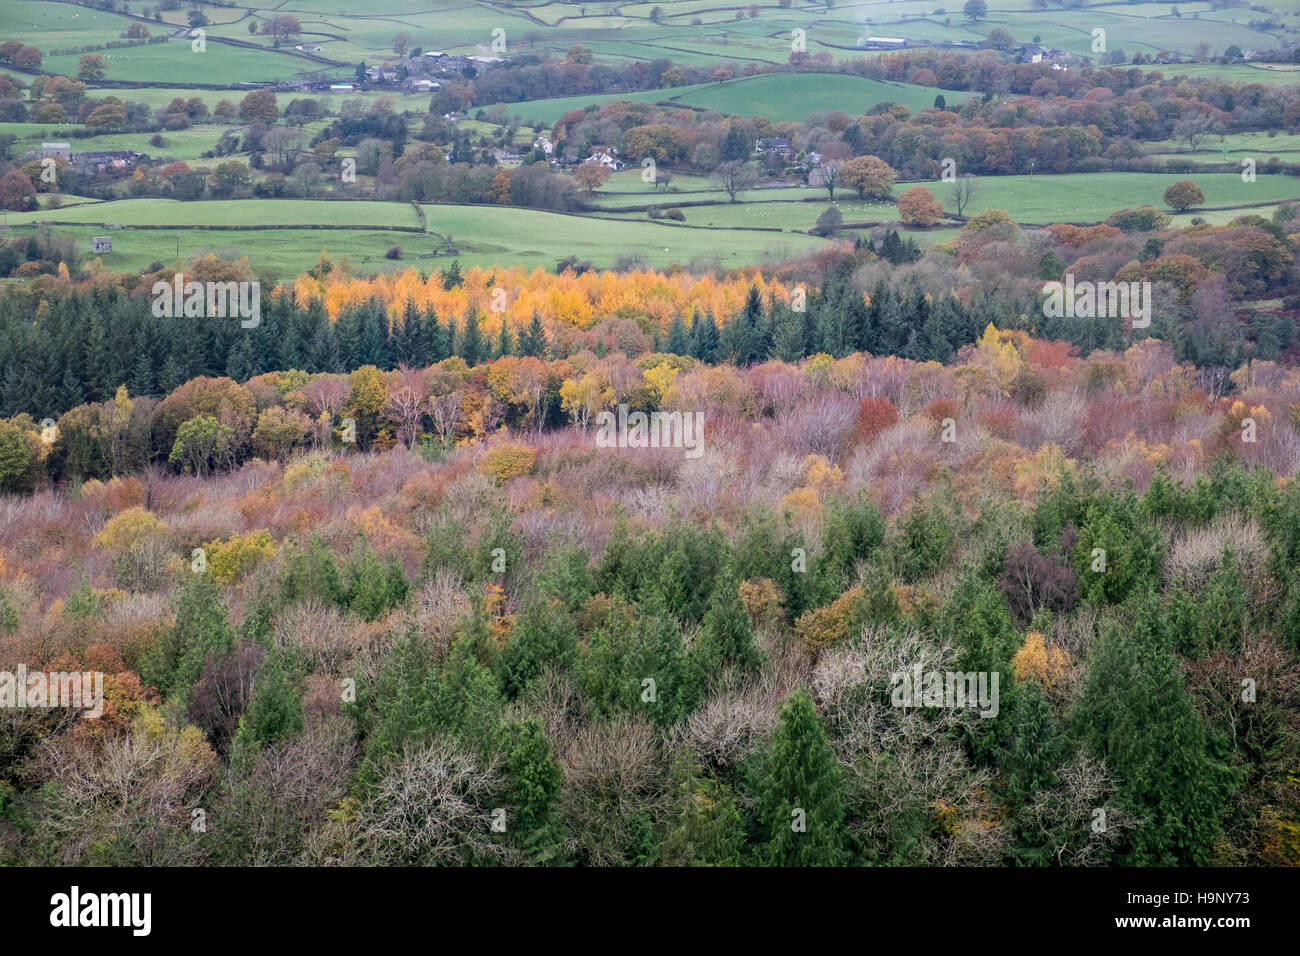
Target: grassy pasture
{"x":1091,"y":197}
{"x":280,"y":252}
{"x":169,"y":212}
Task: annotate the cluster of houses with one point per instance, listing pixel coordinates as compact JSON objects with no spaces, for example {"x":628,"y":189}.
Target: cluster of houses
{"x":111,"y":160}
{"x":1034,"y":53}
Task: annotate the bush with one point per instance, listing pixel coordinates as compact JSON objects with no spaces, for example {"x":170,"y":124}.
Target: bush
{"x":825,"y":626}
{"x":137,"y":546}
{"x":1031,"y":580}
{"x":508,"y":461}
{"x":924,"y":542}
{"x":230,"y":560}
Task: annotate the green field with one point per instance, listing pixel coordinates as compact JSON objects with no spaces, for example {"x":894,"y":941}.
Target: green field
{"x":483,"y":235}
{"x":793,"y":214}
{"x":696,"y":32}
{"x":282,"y":253}
{"x":279,"y":212}
{"x":1234,"y":146}
{"x":548,"y":111}
{"x":786,"y":97}
{"x":1091,"y":197}
{"x":794,"y":96}
{"x":487,"y":234}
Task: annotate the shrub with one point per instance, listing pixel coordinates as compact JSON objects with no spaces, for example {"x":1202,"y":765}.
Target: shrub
{"x":874,"y":416}
{"x":136,"y":543}
{"x":924,"y":542}
{"x":825,"y":626}
{"x":508,"y":461}
{"x":1031,"y":580}
{"x":1050,"y":666}
{"x":763,"y":600}
{"x":230,"y":560}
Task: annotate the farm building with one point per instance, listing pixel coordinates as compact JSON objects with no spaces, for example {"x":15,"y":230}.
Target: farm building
{"x":114,"y":159}
{"x":885,"y":43}
{"x":606,"y":156}
{"x":100,"y":245}
{"x":1033,"y":53}
{"x":56,"y":150}
{"x":773,"y":144}
{"x":341,"y":87}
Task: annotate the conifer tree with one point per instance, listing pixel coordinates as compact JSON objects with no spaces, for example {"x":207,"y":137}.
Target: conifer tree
{"x":504,"y":345}
{"x":679,"y":342}
{"x":199,"y":632}
{"x":534,"y":779}
{"x":471,"y":343}
{"x":706,"y":828}
{"x":800,"y":808}
{"x":532,"y":342}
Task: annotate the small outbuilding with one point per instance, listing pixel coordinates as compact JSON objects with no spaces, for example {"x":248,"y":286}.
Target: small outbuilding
{"x":101,"y":244}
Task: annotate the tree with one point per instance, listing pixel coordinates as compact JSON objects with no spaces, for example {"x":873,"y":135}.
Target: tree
{"x":726,"y":635}
{"x":590,"y":176}
{"x":19,"y":457}
{"x":28,"y":58}
{"x":533,"y":780}
{"x":91,"y":66}
{"x":1000,"y":39}
{"x":401,"y":43}
{"x":869,"y":175}
{"x":799,"y":804}
{"x":976,"y":10}
{"x":831,"y":171}
{"x":282,"y":26}
{"x":274,"y":712}
{"x":734,"y":177}
{"x":706,"y":828}
{"x":278,"y":431}
{"x":16,"y":191}
{"x":201,"y":444}
{"x":829,"y":222}
{"x":1137,"y":715}
{"x":230,"y":178}
{"x":201,"y":631}
{"x":259,"y":106}
{"x":918,"y":206}
{"x":962,"y":191}
{"x":1184,"y":194}
{"x":472,"y":348}
{"x":109,"y":116}
{"x":1192,"y":129}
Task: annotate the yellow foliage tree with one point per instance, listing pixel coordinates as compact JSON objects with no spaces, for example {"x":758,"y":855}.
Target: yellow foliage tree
{"x":508,"y":461}
{"x":1052,"y":667}
{"x":230,"y":560}
{"x":660,"y":379}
